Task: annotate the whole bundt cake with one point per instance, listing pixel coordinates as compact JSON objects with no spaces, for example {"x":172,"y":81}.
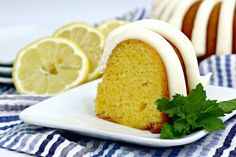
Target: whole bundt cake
{"x":209,"y":24}
{"x":142,"y":62}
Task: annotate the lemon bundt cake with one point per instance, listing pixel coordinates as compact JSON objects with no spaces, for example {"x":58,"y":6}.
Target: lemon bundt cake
{"x":209,"y":24}
{"x":142,"y":62}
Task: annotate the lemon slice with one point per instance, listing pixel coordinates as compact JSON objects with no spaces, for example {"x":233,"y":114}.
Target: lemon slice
{"x":89,"y":38}
{"x":110,"y":25}
{"x":49,"y":66}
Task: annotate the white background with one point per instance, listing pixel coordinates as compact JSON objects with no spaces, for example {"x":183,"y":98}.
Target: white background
{"x":24,"y":21}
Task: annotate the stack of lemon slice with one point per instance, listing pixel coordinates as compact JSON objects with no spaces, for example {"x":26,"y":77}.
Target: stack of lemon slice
{"x":90,"y":39}
{"x":52,"y":65}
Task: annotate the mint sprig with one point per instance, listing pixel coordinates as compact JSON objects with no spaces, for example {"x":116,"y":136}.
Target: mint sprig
{"x":228,"y":106}
{"x":192,"y":112}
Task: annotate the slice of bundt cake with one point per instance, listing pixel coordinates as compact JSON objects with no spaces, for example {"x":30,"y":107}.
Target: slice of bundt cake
{"x":142,"y":62}
{"x":209,"y":24}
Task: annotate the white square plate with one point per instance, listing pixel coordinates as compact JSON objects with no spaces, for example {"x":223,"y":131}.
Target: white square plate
{"x":74,"y":111}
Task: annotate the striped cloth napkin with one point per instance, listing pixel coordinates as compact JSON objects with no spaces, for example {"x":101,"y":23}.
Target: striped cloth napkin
{"x":40,"y":141}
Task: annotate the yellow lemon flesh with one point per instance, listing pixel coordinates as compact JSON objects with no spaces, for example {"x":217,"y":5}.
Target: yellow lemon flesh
{"x":49,"y":66}
{"x":89,"y":38}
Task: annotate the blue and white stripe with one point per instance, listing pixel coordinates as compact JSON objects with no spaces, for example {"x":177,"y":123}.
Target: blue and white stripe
{"x":135,"y":15}
{"x":7,"y":89}
{"x":223,"y":69}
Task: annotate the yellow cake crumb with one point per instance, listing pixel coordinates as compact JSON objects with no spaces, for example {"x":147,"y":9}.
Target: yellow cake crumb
{"x":133,"y":80}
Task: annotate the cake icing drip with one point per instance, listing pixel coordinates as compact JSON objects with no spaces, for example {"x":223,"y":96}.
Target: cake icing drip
{"x":199,"y":34}
{"x":225,"y":28}
{"x":156,"y":9}
{"x":169,"y":10}
{"x":179,"y":13}
{"x":160,"y":8}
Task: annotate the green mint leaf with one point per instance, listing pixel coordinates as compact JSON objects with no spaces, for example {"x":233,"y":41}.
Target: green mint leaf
{"x":165,"y":106}
{"x":179,"y":103}
{"x":211,"y":107}
{"x":211,"y":123}
{"x":228,"y":106}
{"x":167,"y":132}
{"x":182,"y":126}
{"x":211,"y":111}
{"x":195,"y":99}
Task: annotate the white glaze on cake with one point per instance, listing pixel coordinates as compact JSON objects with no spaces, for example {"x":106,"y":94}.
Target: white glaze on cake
{"x":155,"y":7}
{"x":225,"y":28}
{"x":199,"y":33}
{"x":156,"y":3}
{"x":163,"y":48}
{"x":171,"y":34}
{"x":180,"y":11}
{"x":169,"y":10}
{"x":158,"y":11}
